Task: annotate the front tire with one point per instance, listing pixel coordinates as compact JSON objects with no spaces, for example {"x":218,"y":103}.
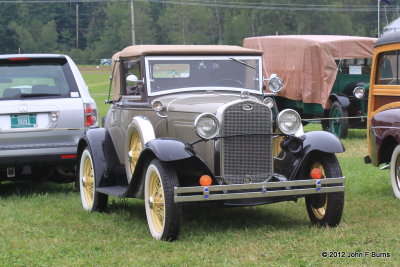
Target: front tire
{"x":163,"y":215}
{"x":325,"y":209}
{"x":395,"y":171}
{"x":91,"y":200}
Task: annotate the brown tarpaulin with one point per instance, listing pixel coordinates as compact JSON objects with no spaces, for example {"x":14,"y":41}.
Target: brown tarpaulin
{"x":306,"y":63}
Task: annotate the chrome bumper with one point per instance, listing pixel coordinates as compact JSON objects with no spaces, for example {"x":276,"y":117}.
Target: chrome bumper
{"x":259,"y":190}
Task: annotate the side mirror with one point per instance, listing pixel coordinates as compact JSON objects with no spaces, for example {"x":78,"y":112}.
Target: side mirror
{"x":274,"y":83}
{"x":132,"y":80}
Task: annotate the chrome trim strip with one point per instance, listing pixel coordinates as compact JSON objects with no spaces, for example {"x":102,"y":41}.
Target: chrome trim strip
{"x":384,"y":127}
{"x":314,"y":187}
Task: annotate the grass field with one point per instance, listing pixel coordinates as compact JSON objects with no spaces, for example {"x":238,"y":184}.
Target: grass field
{"x":45,"y":225}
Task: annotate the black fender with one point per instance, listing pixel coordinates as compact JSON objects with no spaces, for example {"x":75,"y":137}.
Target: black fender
{"x":166,"y":150}
{"x":105,"y":160}
{"x":344,"y":101}
{"x":290,"y":164}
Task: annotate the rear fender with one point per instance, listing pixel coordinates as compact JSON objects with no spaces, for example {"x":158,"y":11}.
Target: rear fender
{"x":104,"y":156}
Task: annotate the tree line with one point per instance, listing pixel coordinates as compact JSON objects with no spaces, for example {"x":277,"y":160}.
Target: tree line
{"x":88,"y":31}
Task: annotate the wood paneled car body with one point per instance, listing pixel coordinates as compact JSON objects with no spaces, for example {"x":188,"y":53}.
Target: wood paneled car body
{"x":384,"y":108}
{"x":191,"y":124}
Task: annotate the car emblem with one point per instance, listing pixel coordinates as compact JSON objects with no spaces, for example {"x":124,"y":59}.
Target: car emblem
{"x":247,"y":107}
{"x":23,"y":108}
{"x":247,"y":179}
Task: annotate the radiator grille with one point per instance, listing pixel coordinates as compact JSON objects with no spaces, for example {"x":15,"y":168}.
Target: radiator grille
{"x":246,"y":158}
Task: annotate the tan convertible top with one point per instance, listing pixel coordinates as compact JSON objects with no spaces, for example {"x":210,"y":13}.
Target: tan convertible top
{"x":141,"y":50}
{"x":306,"y":63}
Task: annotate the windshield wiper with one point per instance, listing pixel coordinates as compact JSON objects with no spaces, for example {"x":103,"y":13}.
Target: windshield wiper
{"x":37,"y":95}
{"x":241,"y":62}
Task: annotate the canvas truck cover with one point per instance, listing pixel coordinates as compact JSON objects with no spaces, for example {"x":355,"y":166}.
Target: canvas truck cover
{"x":306,"y":63}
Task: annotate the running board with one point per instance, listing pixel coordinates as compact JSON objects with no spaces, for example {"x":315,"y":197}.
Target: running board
{"x":385,"y":167}
{"x":118,"y":191}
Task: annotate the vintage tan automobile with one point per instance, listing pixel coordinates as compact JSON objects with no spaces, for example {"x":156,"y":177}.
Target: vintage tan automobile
{"x":191,"y":124}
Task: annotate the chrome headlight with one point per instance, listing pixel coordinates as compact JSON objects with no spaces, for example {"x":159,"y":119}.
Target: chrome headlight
{"x":289,"y":121}
{"x":206,"y":125}
{"x":274,"y":83}
{"x":359,"y":92}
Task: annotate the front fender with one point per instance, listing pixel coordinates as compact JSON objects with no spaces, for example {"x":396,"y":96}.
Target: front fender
{"x":290,"y":164}
{"x":163,"y":149}
{"x":344,"y":101}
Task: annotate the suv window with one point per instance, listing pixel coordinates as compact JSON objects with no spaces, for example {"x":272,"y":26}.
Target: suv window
{"x":22,"y":78}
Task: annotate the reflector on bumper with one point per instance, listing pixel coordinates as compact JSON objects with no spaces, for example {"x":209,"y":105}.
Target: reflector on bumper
{"x":257,"y":190}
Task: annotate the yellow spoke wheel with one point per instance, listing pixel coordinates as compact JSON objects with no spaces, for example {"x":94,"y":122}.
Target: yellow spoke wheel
{"x":134,"y":149}
{"x":88,"y":181}
{"x":91,"y":200}
{"x":163,"y":214}
{"x":320,"y":211}
{"x":325,"y":209}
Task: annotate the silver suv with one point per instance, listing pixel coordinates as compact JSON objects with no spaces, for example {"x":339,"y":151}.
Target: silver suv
{"x":45,"y":107}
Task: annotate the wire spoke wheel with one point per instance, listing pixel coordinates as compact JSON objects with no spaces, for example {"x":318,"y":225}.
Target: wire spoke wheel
{"x":91,"y":200}
{"x":88,"y":181}
{"x":163,"y":214}
{"x":325,"y":209}
{"x":338,"y":125}
{"x":135,"y":147}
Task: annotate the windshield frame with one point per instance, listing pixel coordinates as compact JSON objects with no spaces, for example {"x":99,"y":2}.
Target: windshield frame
{"x":234,"y":58}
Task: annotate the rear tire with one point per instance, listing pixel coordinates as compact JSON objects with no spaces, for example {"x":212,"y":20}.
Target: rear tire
{"x":325,"y":209}
{"x":91,"y":200}
{"x":163,"y":214}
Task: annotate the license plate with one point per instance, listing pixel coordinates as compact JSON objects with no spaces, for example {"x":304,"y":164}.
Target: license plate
{"x":23,"y":121}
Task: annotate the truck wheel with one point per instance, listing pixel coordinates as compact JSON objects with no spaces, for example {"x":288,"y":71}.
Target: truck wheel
{"x":325,"y":209}
{"x":163,"y":215}
{"x":91,"y":200}
{"x":337,"y":126}
{"x":395,"y":171}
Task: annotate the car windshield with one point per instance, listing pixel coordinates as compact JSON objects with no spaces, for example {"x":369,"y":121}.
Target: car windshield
{"x":35,"y":78}
{"x":183,"y":73}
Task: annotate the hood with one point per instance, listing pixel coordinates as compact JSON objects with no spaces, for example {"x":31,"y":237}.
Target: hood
{"x":198,"y":103}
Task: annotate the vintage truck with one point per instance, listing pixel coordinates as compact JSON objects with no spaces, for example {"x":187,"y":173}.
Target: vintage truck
{"x":326,"y":77}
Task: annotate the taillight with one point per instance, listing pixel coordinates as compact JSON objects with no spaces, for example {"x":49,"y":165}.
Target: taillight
{"x":19,"y":59}
{"x":90,"y":114}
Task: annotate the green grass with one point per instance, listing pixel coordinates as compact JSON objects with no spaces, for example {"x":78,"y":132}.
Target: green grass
{"x":45,"y":225}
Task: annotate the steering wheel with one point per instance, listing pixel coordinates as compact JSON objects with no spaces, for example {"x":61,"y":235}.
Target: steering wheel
{"x":229,"y":82}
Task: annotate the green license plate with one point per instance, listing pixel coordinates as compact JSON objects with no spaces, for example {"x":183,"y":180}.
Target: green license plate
{"x":23,"y":121}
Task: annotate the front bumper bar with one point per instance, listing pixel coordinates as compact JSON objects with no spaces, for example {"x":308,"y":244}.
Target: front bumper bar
{"x":259,"y":190}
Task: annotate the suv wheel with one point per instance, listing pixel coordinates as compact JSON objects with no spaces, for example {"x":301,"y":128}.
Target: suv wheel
{"x":325,"y":209}
{"x":163,"y":215}
{"x":91,"y":200}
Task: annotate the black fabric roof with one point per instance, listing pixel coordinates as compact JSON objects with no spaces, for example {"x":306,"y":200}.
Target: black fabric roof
{"x":388,"y":39}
